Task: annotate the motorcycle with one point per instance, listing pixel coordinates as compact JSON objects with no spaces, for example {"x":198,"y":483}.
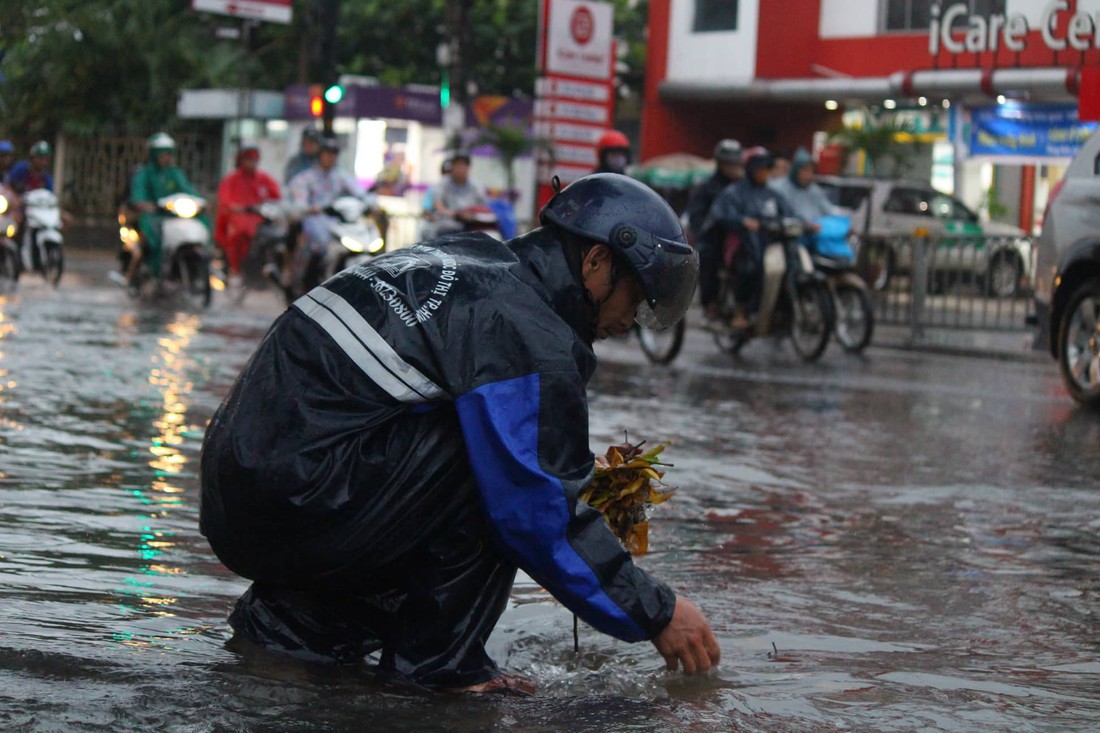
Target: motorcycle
{"x":185,"y":249}
{"x":480,"y":218}
{"x":661,"y":347}
{"x":832,"y":254}
{"x":9,"y":251}
{"x":266,"y":260}
{"x":794,"y":303}
{"x":42,"y":241}
{"x":355,"y":239}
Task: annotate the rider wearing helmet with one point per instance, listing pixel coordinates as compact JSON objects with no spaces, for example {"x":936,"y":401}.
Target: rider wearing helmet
{"x":612,"y":152}
{"x":27,"y":175}
{"x":415,"y":429}
{"x":7,"y":157}
{"x":740,"y":209}
{"x":710,"y":242}
{"x":306,"y":156}
{"x":239,"y":193}
{"x":159,"y":177}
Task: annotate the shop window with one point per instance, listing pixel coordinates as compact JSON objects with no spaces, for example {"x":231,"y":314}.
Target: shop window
{"x":915,"y":15}
{"x":715,"y":15}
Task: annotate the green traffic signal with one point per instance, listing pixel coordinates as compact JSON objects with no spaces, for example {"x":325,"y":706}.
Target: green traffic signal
{"x":334,"y":94}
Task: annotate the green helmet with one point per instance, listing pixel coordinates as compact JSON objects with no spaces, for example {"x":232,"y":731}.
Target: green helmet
{"x":41,"y":148}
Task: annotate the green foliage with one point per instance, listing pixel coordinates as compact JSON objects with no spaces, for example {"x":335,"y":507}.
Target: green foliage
{"x":510,"y":142}
{"x":882,"y":139}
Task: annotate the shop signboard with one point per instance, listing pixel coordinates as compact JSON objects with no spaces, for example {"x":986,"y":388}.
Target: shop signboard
{"x":273,"y":11}
{"x":955,"y":29}
{"x":1027,"y":131}
{"x":575,"y":91}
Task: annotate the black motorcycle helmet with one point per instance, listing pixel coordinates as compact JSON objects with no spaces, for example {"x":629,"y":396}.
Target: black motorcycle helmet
{"x":642,"y":230}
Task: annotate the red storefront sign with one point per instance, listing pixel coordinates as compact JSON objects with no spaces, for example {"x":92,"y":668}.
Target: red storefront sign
{"x":273,"y":11}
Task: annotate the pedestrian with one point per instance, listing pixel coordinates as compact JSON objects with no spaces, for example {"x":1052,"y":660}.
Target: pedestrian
{"x":415,"y":429}
{"x":612,"y":152}
{"x":711,"y":242}
{"x":239,"y":193}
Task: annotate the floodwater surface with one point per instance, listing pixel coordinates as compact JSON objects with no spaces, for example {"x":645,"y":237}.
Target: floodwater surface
{"x":895,"y":543}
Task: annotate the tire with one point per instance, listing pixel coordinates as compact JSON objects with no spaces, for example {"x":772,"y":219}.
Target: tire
{"x":855,"y":318}
{"x":812,"y":321}
{"x":661,"y":347}
{"x":54,"y":265}
{"x":727,"y":340}
{"x":194,"y":272}
{"x":1003,"y":275}
{"x":875,"y":264}
{"x":1079,"y":344}
{"x":9,"y":269}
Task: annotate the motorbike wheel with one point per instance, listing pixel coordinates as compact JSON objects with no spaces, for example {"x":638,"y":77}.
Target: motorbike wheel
{"x":54,"y":264}
{"x":661,"y":347}
{"x":812,"y":321}
{"x":9,"y":269}
{"x":195,"y":277}
{"x":875,"y":263}
{"x":855,"y":318}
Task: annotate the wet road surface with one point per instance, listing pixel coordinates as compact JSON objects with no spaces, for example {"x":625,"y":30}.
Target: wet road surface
{"x":899,"y":542}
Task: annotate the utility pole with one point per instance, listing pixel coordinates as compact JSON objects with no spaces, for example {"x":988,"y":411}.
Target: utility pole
{"x":329,"y":17}
{"x":457,"y":24}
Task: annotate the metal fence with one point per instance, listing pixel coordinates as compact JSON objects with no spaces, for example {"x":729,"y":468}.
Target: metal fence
{"x":954,"y":282}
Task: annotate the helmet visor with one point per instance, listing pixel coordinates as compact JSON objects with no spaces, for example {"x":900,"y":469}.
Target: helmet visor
{"x":669,"y":279}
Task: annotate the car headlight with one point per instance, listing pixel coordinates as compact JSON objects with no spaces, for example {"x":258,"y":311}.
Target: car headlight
{"x":376,"y":246}
{"x":184,"y":208}
{"x":353,"y":245}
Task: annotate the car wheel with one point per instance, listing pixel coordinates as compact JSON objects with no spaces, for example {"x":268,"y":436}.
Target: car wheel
{"x":1079,"y":344}
{"x":1003,"y":276}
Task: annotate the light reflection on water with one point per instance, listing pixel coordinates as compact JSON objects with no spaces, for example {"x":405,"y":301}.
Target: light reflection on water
{"x":871,"y":558}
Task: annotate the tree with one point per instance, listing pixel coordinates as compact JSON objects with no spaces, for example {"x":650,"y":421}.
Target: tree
{"x":882,"y":139}
{"x":511,"y":141}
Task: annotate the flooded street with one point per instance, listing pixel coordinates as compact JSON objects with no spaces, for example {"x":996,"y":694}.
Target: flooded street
{"x":899,"y":542}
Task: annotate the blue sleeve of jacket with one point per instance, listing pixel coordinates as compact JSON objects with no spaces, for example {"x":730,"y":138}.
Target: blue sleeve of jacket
{"x":527,"y":442}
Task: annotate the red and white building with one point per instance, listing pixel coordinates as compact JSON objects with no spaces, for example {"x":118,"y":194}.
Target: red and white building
{"x":781,"y":73}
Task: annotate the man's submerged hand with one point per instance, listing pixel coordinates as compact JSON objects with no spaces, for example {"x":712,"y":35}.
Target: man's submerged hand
{"x":687,"y":641}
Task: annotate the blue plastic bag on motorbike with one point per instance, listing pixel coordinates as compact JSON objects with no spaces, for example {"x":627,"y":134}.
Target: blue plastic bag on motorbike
{"x":832,"y":239}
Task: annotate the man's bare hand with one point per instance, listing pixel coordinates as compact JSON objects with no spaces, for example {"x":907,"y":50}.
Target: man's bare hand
{"x":751,"y":224}
{"x":687,"y":641}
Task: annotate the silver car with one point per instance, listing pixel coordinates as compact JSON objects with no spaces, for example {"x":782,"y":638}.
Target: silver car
{"x":1067,"y":285}
{"x":886,"y":214}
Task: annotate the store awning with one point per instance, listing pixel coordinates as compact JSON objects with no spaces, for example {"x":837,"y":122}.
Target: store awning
{"x":1046,"y":84}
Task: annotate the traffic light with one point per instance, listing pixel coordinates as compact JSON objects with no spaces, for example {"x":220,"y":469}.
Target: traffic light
{"x":316,"y":101}
{"x":334,"y":94}
{"x":444,"y":89}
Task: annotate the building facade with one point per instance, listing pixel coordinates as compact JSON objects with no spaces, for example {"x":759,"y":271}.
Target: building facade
{"x":786,"y":73}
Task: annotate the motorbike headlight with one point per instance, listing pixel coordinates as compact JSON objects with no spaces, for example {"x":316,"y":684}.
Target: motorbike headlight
{"x":376,"y":246}
{"x":10,"y":231}
{"x":353,"y":245}
{"x":185,"y":208}
{"x":3,"y":204}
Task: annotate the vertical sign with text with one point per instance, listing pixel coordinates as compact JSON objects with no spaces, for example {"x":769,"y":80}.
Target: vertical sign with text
{"x":575,"y":91}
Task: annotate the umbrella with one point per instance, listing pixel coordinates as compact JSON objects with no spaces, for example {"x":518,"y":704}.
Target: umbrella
{"x":675,"y":170}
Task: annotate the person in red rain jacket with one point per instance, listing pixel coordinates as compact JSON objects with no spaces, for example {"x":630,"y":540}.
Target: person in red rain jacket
{"x":243,"y":188}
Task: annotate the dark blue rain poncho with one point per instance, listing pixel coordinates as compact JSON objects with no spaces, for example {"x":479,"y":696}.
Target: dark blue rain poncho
{"x":404,"y":437}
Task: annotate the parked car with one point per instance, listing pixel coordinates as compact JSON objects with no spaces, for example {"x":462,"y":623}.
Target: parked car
{"x":1067,"y":287}
{"x":995,"y":255}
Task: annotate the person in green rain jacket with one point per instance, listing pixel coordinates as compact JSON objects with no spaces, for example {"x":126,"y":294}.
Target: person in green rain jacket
{"x":153,"y":181}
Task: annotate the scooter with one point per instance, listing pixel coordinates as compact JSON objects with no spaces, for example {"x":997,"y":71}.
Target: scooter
{"x":266,"y":260}
{"x":9,"y":251}
{"x":661,"y":347}
{"x":185,"y":249}
{"x":832,"y":254}
{"x":42,"y":245}
{"x":355,"y":240}
{"x":794,"y":303}
{"x":480,"y":218}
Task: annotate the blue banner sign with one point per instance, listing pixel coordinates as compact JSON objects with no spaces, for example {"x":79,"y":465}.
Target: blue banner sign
{"x":1028,"y":130}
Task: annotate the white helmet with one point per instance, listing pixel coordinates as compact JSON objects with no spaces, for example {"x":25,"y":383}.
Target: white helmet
{"x":161,"y":141}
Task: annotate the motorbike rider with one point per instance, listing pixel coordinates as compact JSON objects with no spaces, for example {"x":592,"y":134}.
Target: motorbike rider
{"x":7,"y":158}
{"x":238,"y":194}
{"x":159,"y":177}
{"x":807,"y":199}
{"x":741,"y":208}
{"x":27,"y":175}
{"x":710,"y":242}
{"x":612,"y":152}
{"x":309,"y":193}
{"x":381,"y":483}
{"x":306,"y":157}
{"x":456,"y":193}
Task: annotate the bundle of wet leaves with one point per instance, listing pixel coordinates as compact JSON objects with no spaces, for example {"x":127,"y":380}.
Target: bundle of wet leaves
{"x":624,"y":486}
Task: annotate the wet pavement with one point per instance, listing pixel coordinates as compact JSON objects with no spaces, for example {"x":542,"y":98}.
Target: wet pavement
{"x":898,"y":542}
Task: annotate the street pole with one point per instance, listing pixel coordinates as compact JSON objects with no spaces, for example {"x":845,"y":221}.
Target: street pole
{"x":329,"y":16}
{"x":457,"y":34}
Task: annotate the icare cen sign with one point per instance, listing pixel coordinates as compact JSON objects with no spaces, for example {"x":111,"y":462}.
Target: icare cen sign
{"x":578,"y":39}
{"x":955,"y":30}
